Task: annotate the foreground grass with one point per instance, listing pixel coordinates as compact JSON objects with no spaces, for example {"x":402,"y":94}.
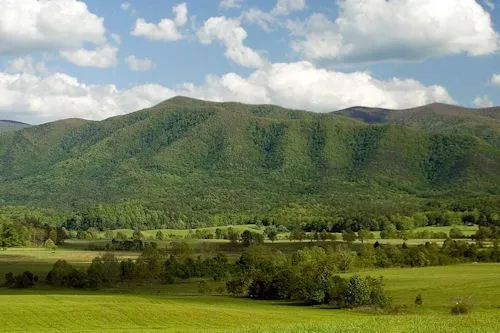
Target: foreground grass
{"x":174,"y":308}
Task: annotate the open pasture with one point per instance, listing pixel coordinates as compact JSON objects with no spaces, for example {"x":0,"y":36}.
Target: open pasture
{"x":177,"y":308}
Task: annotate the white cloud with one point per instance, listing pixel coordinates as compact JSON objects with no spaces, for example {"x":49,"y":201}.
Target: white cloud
{"x":102,"y":57}
{"x":266,"y":20}
{"x":33,"y":98}
{"x":36,"y":99}
{"x":181,"y":13}
{"x":125,"y":6}
{"x":226,"y":4}
{"x":25,"y":65}
{"x":495,"y":79}
{"x":285,"y":7}
{"x":380,"y":30}
{"x":482,"y":102}
{"x":32,"y":25}
{"x":304,"y":86}
{"x":138,"y":64}
{"x":166,"y":29}
{"x":230,"y":33}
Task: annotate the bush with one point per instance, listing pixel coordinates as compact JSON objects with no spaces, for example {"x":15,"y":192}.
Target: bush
{"x":21,"y":281}
{"x":461,"y":306}
{"x":49,"y":244}
{"x":418,"y":300}
{"x":235,"y":287}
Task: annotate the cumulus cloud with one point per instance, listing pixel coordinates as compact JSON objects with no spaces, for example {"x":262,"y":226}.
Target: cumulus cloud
{"x":139,"y":65}
{"x":226,"y":4}
{"x":482,"y":102}
{"x":267,"y":20}
{"x":102,"y":57}
{"x":34,"y":98}
{"x":32,"y":25}
{"x":380,"y":30}
{"x":25,"y":65}
{"x":285,"y":7}
{"x":166,"y":30}
{"x":495,"y":79}
{"x":230,"y":33}
{"x":302,"y":85}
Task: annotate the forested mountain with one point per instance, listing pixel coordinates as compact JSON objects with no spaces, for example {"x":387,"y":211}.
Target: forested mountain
{"x":200,"y":162}
{"x":10,"y":125}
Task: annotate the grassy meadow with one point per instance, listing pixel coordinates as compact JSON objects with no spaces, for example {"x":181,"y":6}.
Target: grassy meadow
{"x":177,"y":308}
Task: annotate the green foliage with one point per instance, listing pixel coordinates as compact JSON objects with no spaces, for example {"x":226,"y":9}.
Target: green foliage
{"x":461,"y":306}
{"x":364,"y":147}
{"x":186,"y":164}
{"x":49,"y":244}
{"x":269,"y":139}
{"x":447,"y":157}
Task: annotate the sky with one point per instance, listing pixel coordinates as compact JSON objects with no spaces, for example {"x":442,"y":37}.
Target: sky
{"x":95,"y":59}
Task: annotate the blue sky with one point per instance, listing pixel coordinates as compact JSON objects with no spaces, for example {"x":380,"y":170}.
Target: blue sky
{"x":95,"y":59}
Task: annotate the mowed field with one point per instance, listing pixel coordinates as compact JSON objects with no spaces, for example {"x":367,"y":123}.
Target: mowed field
{"x":177,"y":308}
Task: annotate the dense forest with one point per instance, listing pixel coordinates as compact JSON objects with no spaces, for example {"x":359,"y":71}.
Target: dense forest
{"x":187,"y":163}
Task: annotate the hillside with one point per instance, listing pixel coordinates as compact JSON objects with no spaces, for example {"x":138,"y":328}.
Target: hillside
{"x":196,"y":162}
{"x":483,"y":123}
{"x":10,"y":125}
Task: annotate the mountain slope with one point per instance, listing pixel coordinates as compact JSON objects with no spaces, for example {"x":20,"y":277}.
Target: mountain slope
{"x":483,"y":123}
{"x":10,"y":125}
{"x":203,"y":162}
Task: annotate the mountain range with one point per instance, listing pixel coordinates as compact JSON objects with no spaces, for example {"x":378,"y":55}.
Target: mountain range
{"x":10,"y":125}
{"x":205,"y":160}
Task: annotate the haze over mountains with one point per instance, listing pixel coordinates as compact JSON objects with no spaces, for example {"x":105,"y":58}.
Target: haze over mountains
{"x":203,"y":159}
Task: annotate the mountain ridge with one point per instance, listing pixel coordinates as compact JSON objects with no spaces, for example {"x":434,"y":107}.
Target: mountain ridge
{"x":203,"y":160}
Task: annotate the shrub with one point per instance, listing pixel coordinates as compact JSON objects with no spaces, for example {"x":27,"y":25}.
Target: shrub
{"x":235,"y":287}
{"x":461,"y":306}
{"x":203,"y":287}
{"x":418,"y":300}
{"x":49,"y":244}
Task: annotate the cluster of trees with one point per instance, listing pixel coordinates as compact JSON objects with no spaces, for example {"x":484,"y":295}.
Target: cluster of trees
{"x":30,"y":233}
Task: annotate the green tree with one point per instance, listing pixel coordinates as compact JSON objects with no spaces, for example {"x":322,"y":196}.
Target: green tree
{"x":364,"y":234}
{"x":349,"y":236}
{"x":271,"y":232}
{"x":49,"y":244}
{"x":160,"y":236}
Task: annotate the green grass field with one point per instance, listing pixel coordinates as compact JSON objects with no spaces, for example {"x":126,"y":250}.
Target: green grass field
{"x":176,"y":308}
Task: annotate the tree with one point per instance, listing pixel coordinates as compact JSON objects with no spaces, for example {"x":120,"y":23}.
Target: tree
{"x":482,"y":234}
{"x":271,"y":232}
{"x":233,"y":236}
{"x":456,"y":233}
{"x":137,"y":235}
{"x":349,"y":236}
{"x":297,"y":234}
{"x":160,"y":236}
{"x":150,"y":263}
{"x":49,"y":244}
{"x":364,"y":234}
{"x":95,"y":273}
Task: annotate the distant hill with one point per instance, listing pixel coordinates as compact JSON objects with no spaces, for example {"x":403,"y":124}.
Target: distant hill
{"x":483,"y":123}
{"x":10,"y":125}
{"x":209,"y":163}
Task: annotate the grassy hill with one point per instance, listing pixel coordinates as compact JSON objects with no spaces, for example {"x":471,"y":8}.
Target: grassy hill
{"x":213,"y":162}
{"x":10,"y":125}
